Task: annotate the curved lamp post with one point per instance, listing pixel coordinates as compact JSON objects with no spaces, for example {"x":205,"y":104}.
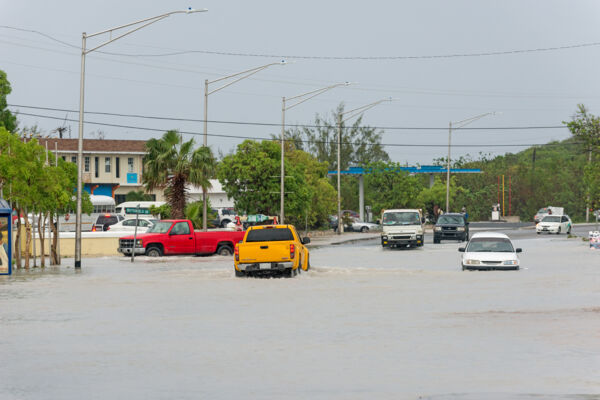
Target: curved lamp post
{"x":351,"y":114}
{"x":241,"y":75}
{"x":301,"y":98}
{"x":458,"y":125}
{"x":84,"y":36}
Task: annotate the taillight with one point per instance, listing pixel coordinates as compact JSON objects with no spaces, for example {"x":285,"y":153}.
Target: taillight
{"x":94,"y":228}
{"x":237,"y":252}
{"x":292,"y":251}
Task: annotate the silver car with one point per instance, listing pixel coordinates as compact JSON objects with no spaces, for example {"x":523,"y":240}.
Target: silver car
{"x":361,"y":226}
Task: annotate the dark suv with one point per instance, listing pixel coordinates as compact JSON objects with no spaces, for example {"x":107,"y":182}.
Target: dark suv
{"x":453,"y":226}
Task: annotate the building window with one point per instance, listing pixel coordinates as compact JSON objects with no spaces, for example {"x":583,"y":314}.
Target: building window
{"x":117,"y":167}
{"x":106,"y":164}
{"x":86,"y":164}
{"x":96,"y":166}
{"x":74,"y":159}
{"x":64,"y":158}
{"x":130,"y":164}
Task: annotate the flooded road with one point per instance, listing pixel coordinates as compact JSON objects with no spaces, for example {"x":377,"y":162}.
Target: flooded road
{"x":362,"y":323}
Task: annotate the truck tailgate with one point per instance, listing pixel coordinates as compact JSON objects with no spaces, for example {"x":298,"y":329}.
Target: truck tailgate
{"x":264,"y":252}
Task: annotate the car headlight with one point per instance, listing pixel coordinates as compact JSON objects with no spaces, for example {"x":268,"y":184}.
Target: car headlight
{"x":460,"y":229}
{"x":438,"y":228}
{"x":511,"y":262}
{"x":472,"y":262}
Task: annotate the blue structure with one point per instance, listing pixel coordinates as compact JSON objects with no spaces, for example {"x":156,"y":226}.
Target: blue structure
{"x":423,"y":169}
{"x":6,"y":242}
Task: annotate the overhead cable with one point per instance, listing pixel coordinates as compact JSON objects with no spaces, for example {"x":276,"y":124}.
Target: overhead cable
{"x":290,"y":140}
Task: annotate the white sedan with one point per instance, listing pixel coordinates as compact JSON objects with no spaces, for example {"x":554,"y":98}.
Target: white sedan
{"x":489,"y":250}
{"x":128,"y":225}
{"x":361,"y":226}
{"x":554,"y":224}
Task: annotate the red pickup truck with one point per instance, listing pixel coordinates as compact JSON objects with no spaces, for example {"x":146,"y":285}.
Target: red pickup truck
{"x":177,"y":236}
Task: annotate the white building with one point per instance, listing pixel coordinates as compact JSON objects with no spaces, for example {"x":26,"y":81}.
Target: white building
{"x":217,"y":196}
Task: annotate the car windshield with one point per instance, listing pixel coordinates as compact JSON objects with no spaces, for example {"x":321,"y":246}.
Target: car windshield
{"x":542,"y":211}
{"x":551,"y":218}
{"x":452,"y":219}
{"x":269,"y":235}
{"x":160,"y":227}
{"x":489,"y":245}
{"x":401,"y":218}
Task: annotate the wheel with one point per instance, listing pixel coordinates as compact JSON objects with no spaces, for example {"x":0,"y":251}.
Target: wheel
{"x":224,"y":250}
{"x":364,"y":229}
{"x":239,"y":274}
{"x":290,"y":272}
{"x":154,"y":251}
{"x":539,"y":233}
{"x":436,"y":241}
{"x":569,"y":231}
{"x":558,"y":231}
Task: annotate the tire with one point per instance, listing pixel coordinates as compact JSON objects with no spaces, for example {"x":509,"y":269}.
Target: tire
{"x":569,"y":231}
{"x":224,"y":250}
{"x":239,"y":274}
{"x":436,"y":241}
{"x":290,"y":272}
{"x":154,"y":251}
{"x":539,"y":233}
{"x":558,"y":231}
{"x":364,"y":229}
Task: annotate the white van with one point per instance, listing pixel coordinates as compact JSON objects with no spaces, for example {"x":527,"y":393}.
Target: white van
{"x":402,"y":228}
{"x":102,"y":205}
{"x":129,"y":209}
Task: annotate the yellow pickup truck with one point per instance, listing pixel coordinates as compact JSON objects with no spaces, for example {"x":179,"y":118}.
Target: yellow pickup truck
{"x":271,"y":249}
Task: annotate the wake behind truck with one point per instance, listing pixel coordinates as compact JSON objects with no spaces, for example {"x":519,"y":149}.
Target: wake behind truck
{"x":402,"y":228}
{"x":170,"y":237}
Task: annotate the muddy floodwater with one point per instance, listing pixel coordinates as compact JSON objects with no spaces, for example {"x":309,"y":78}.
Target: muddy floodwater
{"x":363,"y":323}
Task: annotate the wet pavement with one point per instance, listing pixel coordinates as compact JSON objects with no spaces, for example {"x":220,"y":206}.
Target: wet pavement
{"x":364,"y":322}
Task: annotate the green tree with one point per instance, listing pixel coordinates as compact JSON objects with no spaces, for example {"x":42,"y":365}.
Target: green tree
{"x":171,"y":164}
{"x":359,"y":144}
{"x":387,"y":186}
{"x":251,"y":177}
{"x":586,"y":128}
{"x":7,"y":119}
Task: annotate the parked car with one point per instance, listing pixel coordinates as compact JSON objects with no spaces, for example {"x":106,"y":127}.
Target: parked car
{"x":554,"y":224}
{"x":489,"y":250}
{"x":105,"y":220}
{"x":362,"y":226}
{"x":128,"y":225}
{"x":451,"y":226}
{"x":271,"y":248}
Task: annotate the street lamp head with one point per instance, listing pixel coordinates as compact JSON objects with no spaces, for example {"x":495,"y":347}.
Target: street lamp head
{"x":191,"y":10}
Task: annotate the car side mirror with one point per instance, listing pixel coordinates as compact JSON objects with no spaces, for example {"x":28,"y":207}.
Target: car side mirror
{"x":461,"y":249}
{"x":305,"y":240}
{"x":519,"y":250}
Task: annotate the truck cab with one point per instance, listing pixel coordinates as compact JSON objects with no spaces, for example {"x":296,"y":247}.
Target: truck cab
{"x":402,"y":228}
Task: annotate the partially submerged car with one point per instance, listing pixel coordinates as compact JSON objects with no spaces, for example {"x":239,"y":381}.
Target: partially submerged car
{"x":451,"y":226}
{"x":554,"y":224}
{"x":488,"y":251}
{"x":362,"y":226}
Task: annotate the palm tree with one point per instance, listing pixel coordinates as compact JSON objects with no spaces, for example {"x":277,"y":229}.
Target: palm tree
{"x":171,"y":164}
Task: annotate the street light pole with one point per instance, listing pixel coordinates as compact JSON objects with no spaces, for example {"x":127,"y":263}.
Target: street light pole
{"x":301,"y":98}
{"x":351,"y":114}
{"x":84,"y":51}
{"x":241,"y":75}
{"x":458,"y":125}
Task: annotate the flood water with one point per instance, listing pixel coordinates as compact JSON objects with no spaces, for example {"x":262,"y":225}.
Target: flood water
{"x":363,"y":323}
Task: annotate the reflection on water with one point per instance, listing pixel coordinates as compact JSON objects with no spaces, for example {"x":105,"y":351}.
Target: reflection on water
{"x":363,"y":323}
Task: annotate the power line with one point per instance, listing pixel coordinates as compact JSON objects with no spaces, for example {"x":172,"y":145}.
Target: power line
{"x":279,"y":124}
{"x":295,"y":140}
{"x":310,"y":57}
